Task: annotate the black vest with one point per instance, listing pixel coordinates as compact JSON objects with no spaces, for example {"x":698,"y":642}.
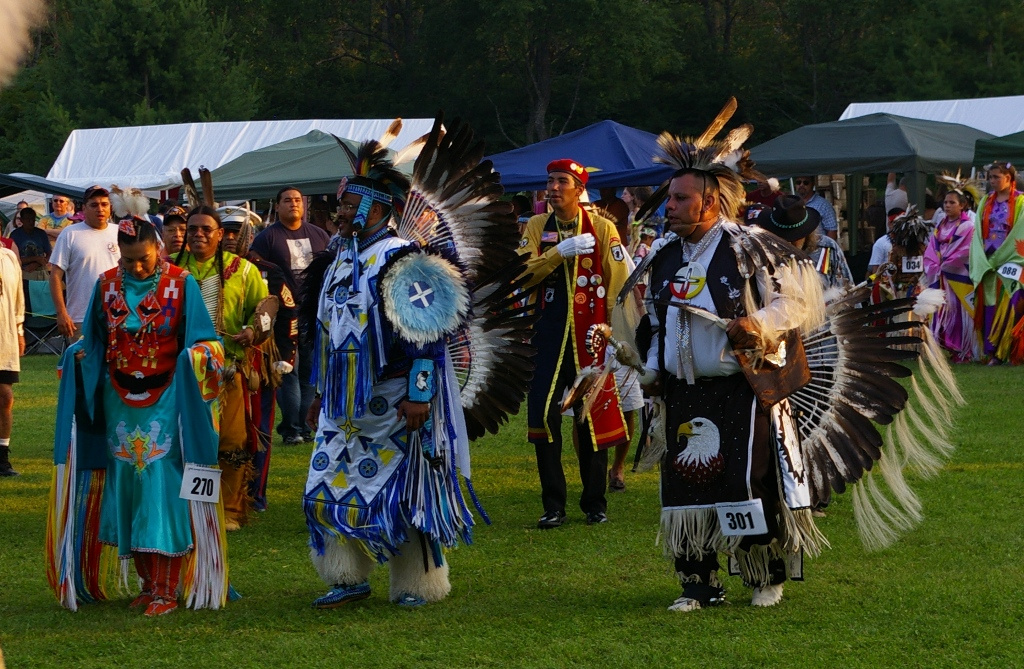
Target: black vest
{"x":723,"y":264}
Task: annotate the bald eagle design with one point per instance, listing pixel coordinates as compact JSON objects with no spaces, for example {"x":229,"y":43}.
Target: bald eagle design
{"x":701,"y":461}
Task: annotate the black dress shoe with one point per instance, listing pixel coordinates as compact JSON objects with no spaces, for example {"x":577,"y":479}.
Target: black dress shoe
{"x":596,"y":517}
{"x":551,"y":520}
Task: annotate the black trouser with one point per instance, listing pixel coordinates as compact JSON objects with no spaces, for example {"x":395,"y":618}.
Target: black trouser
{"x":593,"y":464}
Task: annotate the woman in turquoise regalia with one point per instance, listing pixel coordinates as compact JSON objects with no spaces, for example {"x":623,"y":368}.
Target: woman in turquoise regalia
{"x":149,"y":356}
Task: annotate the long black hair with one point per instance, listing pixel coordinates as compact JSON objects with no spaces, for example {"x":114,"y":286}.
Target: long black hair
{"x":144,"y":232}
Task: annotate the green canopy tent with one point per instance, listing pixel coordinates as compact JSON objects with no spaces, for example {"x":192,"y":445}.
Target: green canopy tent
{"x":313,"y":163}
{"x":1009,"y":148}
{"x":870,"y":144}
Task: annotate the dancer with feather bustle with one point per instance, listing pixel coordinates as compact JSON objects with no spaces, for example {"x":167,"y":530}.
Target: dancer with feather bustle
{"x":767,"y":398}
{"x":402,"y":316}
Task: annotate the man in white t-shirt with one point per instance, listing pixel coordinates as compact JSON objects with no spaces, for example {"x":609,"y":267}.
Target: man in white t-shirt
{"x":81,"y":253}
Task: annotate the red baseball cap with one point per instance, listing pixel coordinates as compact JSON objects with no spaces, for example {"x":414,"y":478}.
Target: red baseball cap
{"x":569,"y":166}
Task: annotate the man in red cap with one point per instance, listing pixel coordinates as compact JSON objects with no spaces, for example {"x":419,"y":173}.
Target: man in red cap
{"x":580,"y":264}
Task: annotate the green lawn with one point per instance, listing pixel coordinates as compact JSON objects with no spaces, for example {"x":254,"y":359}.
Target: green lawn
{"x":948,"y":594}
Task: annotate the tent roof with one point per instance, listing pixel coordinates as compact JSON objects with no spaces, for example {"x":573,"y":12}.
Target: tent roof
{"x":874,"y":143}
{"x":18,"y":182}
{"x":622,"y":155}
{"x":152,"y":157}
{"x":1009,"y":148}
{"x":997,"y":116}
{"x":313,"y":163}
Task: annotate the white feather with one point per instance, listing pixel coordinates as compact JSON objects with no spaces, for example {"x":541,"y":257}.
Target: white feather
{"x":929,"y":301}
{"x":18,"y":17}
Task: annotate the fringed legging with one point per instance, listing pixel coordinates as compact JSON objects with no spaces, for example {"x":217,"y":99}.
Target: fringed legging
{"x":235,"y":450}
{"x":160,"y":574}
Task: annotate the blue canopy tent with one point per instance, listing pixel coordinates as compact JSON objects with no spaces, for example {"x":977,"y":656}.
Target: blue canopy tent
{"x":618,"y":154}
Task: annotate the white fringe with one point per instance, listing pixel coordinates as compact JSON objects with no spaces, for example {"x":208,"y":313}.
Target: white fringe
{"x":209,"y":577}
{"x":754,"y":563}
{"x":693,"y":533}
{"x":801,"y":532}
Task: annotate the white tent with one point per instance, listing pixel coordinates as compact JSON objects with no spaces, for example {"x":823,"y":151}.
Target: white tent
{"x":151,"y":157}
{"x":997,"y":116}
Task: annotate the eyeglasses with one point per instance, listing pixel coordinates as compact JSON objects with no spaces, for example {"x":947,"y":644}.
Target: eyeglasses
{"x":345,"y":207}
{"x":204,"y":230}
{"x":803,"y":182}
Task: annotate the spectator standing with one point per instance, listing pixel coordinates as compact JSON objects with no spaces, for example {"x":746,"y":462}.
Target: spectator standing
{"x":896,"y":195}
{"x":33,"y":246}
{"x":805,"y":189}
{"x":82,"y":252}
{"x":580,"y":264}
{"x":53,"y":223}
{"x":173,"y":231}
{"x":12,"y":347}
{"x":290,"y":244}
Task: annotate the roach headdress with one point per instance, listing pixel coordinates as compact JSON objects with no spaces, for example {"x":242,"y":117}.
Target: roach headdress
{"x":725,"y":161}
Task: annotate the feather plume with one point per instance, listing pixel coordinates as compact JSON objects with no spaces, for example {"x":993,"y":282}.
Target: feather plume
{"x":390,"y":134}
{"x":18,"y":18}
{"x":206,"y":179}
{"x":717,"y":124}
{"x":191,"y":193}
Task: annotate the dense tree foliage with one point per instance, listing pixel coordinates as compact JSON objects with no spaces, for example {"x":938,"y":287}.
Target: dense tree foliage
{"x":520,"y":70}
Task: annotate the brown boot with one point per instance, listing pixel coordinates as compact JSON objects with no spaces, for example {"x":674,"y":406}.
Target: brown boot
{"x":5,"y":462}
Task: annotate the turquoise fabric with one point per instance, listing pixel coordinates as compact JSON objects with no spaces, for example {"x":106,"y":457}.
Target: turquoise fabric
{"x":142,"y":449}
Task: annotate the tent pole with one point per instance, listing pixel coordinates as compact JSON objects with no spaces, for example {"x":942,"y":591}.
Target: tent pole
{"x":915,"y":189}
{"x":854,"y":190}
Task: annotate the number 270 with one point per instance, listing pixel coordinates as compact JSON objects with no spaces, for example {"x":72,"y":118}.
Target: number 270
{"x":202,"y":486}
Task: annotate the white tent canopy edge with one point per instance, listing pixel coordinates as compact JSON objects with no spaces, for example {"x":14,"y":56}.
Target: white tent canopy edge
{"x":998,"y":116}
{"x":151,"y":157}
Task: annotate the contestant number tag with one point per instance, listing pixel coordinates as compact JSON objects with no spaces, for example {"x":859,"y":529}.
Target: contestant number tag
{"x":913,"y":264}
{"x":1010,"y":270}
{"x":741,"y":518}
{"x":200,"y":484}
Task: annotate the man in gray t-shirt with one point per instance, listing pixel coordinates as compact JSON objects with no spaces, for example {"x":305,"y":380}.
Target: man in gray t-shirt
{"x":291,"y":244}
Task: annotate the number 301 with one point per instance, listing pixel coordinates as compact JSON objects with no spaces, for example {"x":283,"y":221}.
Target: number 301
{"x":740,"y":521}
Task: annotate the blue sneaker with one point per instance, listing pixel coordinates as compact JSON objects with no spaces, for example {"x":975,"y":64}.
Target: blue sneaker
{"x":410,"y":601}
{"x":342,"y":594}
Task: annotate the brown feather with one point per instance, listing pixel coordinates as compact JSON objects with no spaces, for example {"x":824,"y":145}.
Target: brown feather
{"x":716,"y":126}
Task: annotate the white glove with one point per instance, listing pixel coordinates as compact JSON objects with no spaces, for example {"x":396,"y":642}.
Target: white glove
{"x":283,"y":367}
{"x":580,"y":245}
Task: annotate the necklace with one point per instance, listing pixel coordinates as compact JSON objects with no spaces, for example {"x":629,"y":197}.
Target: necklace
{"x":683,"y":324}
{"x":691,"y":251}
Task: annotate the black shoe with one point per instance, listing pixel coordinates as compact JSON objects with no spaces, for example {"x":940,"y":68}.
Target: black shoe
{"x":596,"y":518}
{"x":293,"y":440}
{"x":551,"y":520}
{"x":308,"y":437}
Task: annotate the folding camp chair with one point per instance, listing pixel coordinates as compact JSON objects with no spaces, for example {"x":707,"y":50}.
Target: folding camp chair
{"x":41,"y":334}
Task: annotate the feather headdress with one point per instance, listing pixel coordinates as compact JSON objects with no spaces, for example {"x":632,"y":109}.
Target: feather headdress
{"x":724,"y":160}
{"x":968,"y":186}
{"x":374,"y":175}
{"x":910,"y":231}
{"x":128,"y":203}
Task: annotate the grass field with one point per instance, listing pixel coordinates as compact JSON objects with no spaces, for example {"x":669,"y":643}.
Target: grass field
{"x":948,"y":594}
